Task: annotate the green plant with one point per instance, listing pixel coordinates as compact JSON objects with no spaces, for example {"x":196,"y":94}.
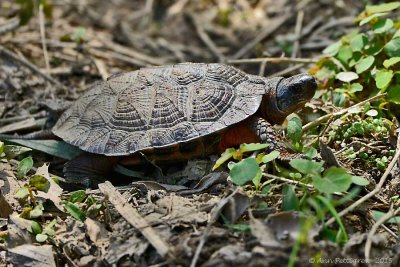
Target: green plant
{"x":364,"y":62}
{"x":247,"y":169}
{"x":79,"y":204}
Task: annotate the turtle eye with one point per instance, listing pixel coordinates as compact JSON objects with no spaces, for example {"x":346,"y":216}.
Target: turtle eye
{"x":293,"y":92}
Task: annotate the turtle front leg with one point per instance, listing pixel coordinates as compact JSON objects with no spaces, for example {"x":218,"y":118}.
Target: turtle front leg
{"x":267,"y":135}
{"x":254,"y":130}
{"x":265,"y":132}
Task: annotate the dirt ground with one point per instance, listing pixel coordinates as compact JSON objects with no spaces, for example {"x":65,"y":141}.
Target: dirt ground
{"x":183,"y":214}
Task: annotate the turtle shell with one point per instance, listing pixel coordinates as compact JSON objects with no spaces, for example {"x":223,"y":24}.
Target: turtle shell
{"x":160,"y":106}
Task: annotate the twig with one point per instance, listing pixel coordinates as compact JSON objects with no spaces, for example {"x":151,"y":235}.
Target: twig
{"x":117,"y":56}
{"x":310,"y":186}
{"x":368,"y":244}
{"x":276,"y":60}
{"x":11,"y":55}
{"x":376,"y":190}
{"x":43,"y":38}
{"x":132,"y":53}
{"x":214,"y":216}
{"x":287,"y":70}
{"x":263,"y":65}
{"x":206,"y":39}
{"x":10,"y":25}
{"x":299,"y":23}
{"x":134,"y":218}
{"x":340,"y":112}
{"x":102,"y":68}
{"x":333,"y":23}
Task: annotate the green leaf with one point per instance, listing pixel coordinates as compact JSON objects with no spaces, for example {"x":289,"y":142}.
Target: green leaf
{"x":371,"y":17}
{"x":271,"y":156}
{"x":257,"y":179}
{"x":345,"y":54}
{"x":78,"y":36}
{"x":356,"y":87}
{"x":52,"y":147}
{"x":358,"y":180}
{"x":37,"y":211}
{"x":40,"y":183}
{"x":227,"y":154}
{"x":36,"y":228}
{"x":310,"y":152}
{"x":24,"y":167}
{"x":358,"y":42}
{"x":382,"y":7}
{"x":1,"y":148}
{"x":382,"y":26}
{"x":41,"y":238}
{"x":333,"y":49}
{"x":392,"y":48}
{"x":377,"y":215}
{"x":12,"y":151}
{"x":77,"y":196}
{"x":393,"y":94}
{"x":48,"y":230}
{"x":346,"y":76}
{"x":22,"y":193}
{"x":75,"y":211}
{"x":306,"y":166}
{"x":364,"y":64}
{"x":252,"y":147}
{"x":383,"y":78}
{"x":372,"y":113}
{"x":334,"y":180}
{"x":294,"y":129}
{"x":290,"y":200}
{"x":244,"y":171}
{"x":391,"y":61}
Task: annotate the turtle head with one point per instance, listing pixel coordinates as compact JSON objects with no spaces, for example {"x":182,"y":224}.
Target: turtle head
{"x":288,"y":95}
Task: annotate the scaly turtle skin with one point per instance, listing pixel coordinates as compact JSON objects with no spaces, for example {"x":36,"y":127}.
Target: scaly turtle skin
{"x":179,"y":111}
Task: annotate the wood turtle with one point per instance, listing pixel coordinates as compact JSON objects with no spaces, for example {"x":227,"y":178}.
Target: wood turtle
{"x":176,"y":112}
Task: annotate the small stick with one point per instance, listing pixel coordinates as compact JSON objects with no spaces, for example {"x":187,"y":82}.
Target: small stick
{"x":213,"y":218}
{"x":43,"y":38}
{"x":274,"y":60}
{"x":134,"y":218}
{"x":368,"y":244}
{"x":298,"y":28}
{"x":340,"y":112}
{"x":287,"y":70}
{"x":101,"y":68}
{"x":263,"y":65}
{"x":111,"y":54}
